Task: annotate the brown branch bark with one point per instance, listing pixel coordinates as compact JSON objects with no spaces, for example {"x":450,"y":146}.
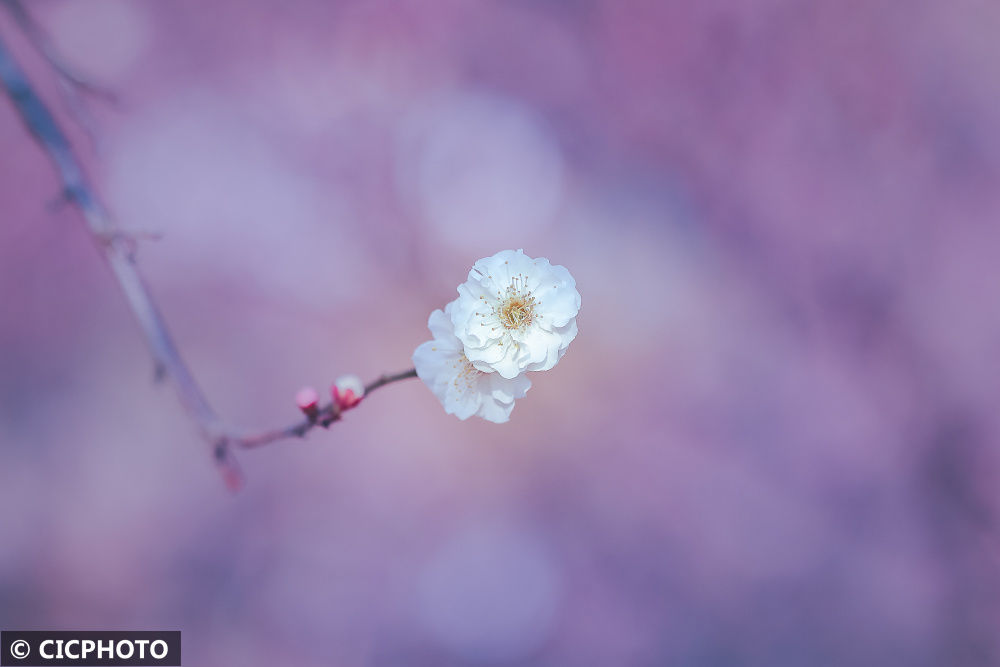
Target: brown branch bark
{"x":118,"y":251}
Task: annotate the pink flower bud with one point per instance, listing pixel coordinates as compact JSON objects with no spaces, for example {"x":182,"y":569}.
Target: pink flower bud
{"x":308,"y":401}
{"x":347,"y":391}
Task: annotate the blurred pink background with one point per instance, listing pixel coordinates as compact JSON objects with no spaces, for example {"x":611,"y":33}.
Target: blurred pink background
{"x":774,"y":441}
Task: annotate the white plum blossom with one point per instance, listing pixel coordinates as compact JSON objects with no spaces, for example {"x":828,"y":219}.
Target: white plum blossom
{"x":462,"y":389}
{"x":515,"y":313}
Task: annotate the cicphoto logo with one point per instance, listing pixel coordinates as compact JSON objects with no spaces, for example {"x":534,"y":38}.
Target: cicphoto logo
{"x":30,"y":648}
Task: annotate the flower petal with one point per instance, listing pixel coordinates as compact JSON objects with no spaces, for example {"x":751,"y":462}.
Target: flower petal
{"x":543,"y":300}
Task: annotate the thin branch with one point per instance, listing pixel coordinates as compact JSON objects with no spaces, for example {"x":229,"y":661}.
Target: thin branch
{"x":41,"y":42}
{"x":118,"y":251}
{"x":71,"y":82}
{"x":386,"y":379}
{"x":326,"y":416}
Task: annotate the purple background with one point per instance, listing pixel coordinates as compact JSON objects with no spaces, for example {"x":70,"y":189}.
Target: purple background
{"x":773,"y":442}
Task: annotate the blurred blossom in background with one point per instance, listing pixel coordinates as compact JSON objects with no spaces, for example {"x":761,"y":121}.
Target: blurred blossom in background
{"x":774,"y":441}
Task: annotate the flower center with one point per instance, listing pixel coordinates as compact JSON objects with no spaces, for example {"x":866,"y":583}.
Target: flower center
{"x":517,"y":312}
{"x":517,"y":305}
{"x":467,"y":377}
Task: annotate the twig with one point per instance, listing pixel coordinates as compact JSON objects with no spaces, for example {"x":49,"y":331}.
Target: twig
{"x":41,"y":42}
{"x":327,"y":415}
{"x":386,"y":379}
{"x":71,"y":82}
{"x":118,"y":251}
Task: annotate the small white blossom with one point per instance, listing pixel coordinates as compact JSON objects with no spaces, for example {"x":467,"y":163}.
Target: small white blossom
{"x":515,"y":313}
{"x":462,"y":389}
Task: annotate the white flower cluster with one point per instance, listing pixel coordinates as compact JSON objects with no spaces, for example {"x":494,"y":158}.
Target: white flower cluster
{"x":514,"y":314}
